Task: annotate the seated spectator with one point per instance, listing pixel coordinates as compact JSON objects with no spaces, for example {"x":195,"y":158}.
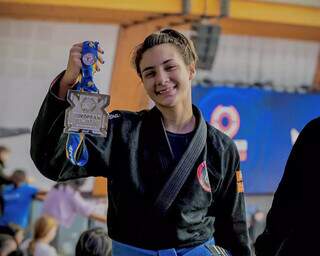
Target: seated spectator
{"x":17,"y":200}
{"x":13,"y":230}
{"x":4,"y":156}
{"x":93,"y":242}
{"x":7,"y":244}
{"x":64,"y":202}
{"x":45,"y":229}
{"x":257,"y":224}
{"x":16,"y":253}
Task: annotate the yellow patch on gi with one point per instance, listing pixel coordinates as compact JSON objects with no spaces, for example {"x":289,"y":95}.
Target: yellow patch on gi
{"x":240,"y":188}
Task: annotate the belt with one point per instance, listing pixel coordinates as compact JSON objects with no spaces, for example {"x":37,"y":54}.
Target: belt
{"x":121,"y":249}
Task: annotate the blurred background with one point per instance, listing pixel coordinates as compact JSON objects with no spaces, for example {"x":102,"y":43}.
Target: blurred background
{"x":258,"y":77}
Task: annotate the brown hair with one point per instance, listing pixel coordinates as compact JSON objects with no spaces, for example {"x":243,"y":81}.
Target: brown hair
{"x":18,"y":177}
{"x":4,"y":149}
{"x":42,"y":227}
{"x":166,"y":36}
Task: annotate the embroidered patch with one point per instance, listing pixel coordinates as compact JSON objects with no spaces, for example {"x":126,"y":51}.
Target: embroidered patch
{"x":240,"y":187}
{"x":203,"y":176}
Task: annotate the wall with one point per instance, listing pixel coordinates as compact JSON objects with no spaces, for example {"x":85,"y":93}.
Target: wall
{"x":248,"y":59}
{"x":32,"y":54}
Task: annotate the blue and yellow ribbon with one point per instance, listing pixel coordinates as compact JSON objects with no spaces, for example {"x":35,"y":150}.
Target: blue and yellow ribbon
{"x":76,"y":149}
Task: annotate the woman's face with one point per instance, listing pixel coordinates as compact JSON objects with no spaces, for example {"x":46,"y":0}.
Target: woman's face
{"x":52,"y":233}
{"x":4,"y":156}
{"x":19,"y":236}
{"x":166,"y":78}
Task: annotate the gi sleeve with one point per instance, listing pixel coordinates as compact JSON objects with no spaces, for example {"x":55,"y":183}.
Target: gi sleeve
{"x":231,"y":231}
{"x":287,"y":203}
{"x":48,"y":143}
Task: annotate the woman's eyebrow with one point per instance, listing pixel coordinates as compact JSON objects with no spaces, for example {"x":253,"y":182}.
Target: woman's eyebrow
{"x":152,"y":67}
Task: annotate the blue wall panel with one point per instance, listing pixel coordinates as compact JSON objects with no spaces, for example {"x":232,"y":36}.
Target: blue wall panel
{"x":263,"y":123}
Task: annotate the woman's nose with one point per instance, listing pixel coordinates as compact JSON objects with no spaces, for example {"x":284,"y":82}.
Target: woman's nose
{"x":161,"y":77}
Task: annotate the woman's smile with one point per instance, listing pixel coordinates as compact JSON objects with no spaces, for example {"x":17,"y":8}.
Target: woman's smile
{"x":166,"y":91}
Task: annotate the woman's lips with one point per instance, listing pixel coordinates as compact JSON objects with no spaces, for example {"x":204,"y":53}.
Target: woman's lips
{"x":166,"y":90}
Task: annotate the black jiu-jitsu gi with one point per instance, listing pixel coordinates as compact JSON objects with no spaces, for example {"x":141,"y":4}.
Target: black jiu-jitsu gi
{"x":136,"y":157}
{"x":293,"y":222}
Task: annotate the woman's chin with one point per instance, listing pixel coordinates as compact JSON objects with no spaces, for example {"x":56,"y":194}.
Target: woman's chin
{"x":166,"y":103}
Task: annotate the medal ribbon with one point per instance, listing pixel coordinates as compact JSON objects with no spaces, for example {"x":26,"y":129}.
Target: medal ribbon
{"x":76,"y":148}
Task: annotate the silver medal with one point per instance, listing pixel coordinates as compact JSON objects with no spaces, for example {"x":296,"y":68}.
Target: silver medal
{"x":87,"y":113}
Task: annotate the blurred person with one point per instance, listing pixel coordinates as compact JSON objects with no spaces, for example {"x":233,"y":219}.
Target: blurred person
{"x":4,"y":180}
{"x":64,"y":202}
{"x":93,"y":242}
{"x":293,"y":220}
{"x":145,"y":152}
{"x":257,"y":225}
{"x":15,"y":231}
{"x":16,"y":253}
{"x":44,"y":232}
{"x":7,"y":244}
{"x":4,"y":156}
{"x":17,"y":200}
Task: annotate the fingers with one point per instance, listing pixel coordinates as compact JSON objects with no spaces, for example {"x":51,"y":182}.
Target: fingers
{"x":76,"y":48}
{"x":100,"y":58}
{"x":97,"y":67}
{"x":75,"y":56}
{"x":100,"y":50}
{"x":78,"y":44}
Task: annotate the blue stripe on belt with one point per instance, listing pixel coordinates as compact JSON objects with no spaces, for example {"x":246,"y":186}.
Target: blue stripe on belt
{"x":121,"y":249}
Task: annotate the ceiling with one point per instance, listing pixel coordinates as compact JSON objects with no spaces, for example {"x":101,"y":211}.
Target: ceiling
{"x":275,"y":18}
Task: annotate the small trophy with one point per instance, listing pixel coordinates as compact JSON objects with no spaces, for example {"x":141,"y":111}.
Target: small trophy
{"x":87,"y":113}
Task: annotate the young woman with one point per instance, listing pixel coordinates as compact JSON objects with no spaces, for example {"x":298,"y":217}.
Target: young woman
{"x":64,"y":202}
{"x":45,"y":229}
{"x":174,"y":181}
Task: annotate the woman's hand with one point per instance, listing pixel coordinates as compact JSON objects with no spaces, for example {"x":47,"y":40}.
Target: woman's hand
{"x":73,"y":70}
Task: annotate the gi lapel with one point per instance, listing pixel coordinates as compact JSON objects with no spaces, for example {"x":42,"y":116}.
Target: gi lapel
{"x":155,"y":155}
{"x":184,"y":167}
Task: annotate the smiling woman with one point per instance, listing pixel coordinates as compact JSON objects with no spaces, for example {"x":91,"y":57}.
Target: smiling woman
{"x":172,"y":182}
{"x":167,"y":80}
{"x":166,"y":64}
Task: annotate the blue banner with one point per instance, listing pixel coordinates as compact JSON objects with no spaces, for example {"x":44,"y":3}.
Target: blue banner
{"x":264,"y":125}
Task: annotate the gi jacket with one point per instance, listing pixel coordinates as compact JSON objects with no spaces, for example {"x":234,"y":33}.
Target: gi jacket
{"x":137,"y":160}
{"x":293,"y":222}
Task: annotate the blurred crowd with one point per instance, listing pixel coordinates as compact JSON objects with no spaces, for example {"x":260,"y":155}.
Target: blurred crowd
{"x":59,"y":208}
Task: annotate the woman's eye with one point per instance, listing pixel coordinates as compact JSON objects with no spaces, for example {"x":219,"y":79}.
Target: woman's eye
{"x":170,"y":68}
{"x":149,"y":74}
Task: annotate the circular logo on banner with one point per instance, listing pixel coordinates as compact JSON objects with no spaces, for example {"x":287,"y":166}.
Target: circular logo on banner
{"x":88,"y":59}
{"x":203,"y":176}
{"x":226,"y":119}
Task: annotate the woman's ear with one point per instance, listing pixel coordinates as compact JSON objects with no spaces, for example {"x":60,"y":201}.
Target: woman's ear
{"x":192,"y":71}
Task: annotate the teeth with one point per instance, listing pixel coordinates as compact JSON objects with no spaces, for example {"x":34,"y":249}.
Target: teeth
{"x":165,"y":90}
